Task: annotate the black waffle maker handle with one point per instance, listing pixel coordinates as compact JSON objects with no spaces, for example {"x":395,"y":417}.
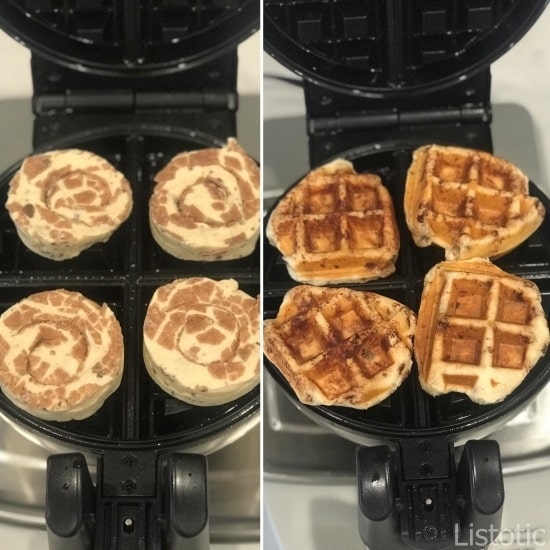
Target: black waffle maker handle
{"x":417,"y":497}
{"x":139,"y":501}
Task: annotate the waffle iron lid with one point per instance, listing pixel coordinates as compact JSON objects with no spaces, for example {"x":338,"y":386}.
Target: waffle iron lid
{"x":130,"y":37}
{"x":379,"y":48}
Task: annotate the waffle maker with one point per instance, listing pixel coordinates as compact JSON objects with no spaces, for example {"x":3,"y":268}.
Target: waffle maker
{"x":380,"y":79}
{"x":135,"y":82}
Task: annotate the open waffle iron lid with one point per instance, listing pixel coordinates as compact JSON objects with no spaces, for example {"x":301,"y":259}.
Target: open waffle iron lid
{"x":129,"y":38}
{"x":387,"y":49}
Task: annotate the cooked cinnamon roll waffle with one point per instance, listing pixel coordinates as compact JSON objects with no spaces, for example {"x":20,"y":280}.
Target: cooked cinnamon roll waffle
{"x":471,"y":203}
{"x":337,"y":346}
{"x":336,"y":226}
{"x":480,"y":330}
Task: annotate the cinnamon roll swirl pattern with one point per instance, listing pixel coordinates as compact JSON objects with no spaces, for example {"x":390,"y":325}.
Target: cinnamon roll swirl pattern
{"x":61,"y":355}
{"x":206,"y":204}
{"x":201,"y":340}
{"x":64,"y":201}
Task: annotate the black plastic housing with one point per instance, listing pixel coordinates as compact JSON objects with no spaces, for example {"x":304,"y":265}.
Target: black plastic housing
{"x":400,"y":50}
{"x":123,"y":39}
{"x":416,"y":496}
{"x":159,"y":504}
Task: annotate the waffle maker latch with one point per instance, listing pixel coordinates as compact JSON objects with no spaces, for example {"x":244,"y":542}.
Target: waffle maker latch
{"x":124,"y":509}
{"x":417,"y":497}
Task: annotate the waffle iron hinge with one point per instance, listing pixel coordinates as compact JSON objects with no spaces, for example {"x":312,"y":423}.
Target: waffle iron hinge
{"x":394,"y":118}
{"x":67,"y":101}
{"x":210,"y":85}
{"x":131,"y":100}
{"x":413,"y":497}
{"x":140,"y":500}
{"x":338,"y":121}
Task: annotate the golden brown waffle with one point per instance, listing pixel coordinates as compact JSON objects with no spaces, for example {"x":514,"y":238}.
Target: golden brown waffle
{"x":480,"y":330}
{"x":471,"y":203}
{"x":337,"y":346}
{"x":336,"y":226}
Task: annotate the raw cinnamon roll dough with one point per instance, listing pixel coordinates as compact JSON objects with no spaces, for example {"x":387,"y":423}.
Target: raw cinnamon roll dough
{"x":61,"y":355}
{"x":64,"y":201}
{"x":201,"y":340}
{"x":206,"y":204}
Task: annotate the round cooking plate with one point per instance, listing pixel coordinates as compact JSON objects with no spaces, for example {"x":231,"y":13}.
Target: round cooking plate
{"x":124,"y":272}
{"x":125,"y":38}
{"x":380,"y":48}
{"x":410,"y":412}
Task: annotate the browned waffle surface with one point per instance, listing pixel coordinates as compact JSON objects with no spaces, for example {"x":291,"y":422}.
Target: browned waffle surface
{"x":337,"y":346}
{"x":480,"y":330}
{"x":471,"y":203}
{"x":410,"y":411}
{"x":336,"y":226}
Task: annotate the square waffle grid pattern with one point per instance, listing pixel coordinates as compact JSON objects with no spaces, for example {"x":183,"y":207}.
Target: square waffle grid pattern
{"x":355,"y":34}
{"x":410,"y":408}
{"x":103,"y":23}
{"x":471,"y":194}
{"x":340,"y":221}
{"x":124,"y":272}
{"x":329,"y":325}
{"x":481,"y":324}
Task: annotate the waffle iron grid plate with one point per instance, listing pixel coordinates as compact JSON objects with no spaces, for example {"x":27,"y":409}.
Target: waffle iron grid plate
{"x":410,"y":412}
{"x":124,"y":272}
